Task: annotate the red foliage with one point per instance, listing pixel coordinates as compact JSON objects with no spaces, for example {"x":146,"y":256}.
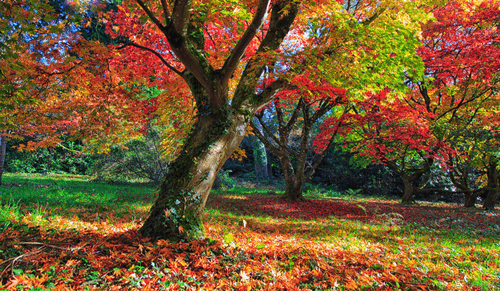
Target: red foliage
{"x":462,"y":44}
{"x":380,"y":126}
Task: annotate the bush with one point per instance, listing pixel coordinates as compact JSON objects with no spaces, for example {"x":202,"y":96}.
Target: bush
{"x":338,"y":172}
{"x":65,"y":159}
{"x":137,"y":159}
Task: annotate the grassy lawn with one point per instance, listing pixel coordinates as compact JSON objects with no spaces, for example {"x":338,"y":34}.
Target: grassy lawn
{"x":65,"y":232}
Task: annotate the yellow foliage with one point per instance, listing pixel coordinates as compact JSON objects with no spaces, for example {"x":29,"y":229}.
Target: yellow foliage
{"x":239,"y":154}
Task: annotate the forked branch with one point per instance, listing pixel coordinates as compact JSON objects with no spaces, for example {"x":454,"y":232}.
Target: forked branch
{"x":239,"y":50}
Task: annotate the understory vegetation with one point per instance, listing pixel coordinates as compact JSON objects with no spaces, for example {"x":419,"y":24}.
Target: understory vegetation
{"x":66,"y":232}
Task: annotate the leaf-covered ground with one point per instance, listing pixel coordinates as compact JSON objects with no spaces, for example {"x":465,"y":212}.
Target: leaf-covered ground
{"x":65,"y":233}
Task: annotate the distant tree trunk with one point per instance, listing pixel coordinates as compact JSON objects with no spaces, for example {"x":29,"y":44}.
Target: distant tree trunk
{"x":3,"y":147}
{"x":470,"y":199}
{"x":278,"y":142}
{"x":293,"y":190}
{"x":408,"y":190}
{"x":260,"y":159}
{"x":293,"y":181}
{"x":462,"y":183}
{"x":409,"y":178}
{"x":493,"y":184}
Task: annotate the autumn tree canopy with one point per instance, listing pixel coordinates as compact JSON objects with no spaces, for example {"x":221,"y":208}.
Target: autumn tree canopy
{"x":460,"y":90}
{"x":448,"y":117}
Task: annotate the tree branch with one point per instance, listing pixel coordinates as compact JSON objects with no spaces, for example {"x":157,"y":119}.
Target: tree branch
{"x":269,"y":93}
{"x":166,"y":13}
{"x":180,"y":16}
{"x":274,"y":138}
{"x":295,"y":115}
{"x":194,"y":61}
{"x":279,"y":26}
{"x":150,"y":14}
{"x":239,"y":50}
{"x":130,"y":43}
{"x":263,"y":139}
{"x":374,"y":16}
{"x":320,"y":157}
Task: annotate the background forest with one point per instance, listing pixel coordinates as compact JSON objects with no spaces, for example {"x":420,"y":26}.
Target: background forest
{"x":338,"y":171}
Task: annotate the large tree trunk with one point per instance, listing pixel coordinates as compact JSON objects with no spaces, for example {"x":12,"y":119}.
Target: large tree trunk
{"x":470,"y":199}
{"x":177,"y":212}
{"x":408,"y":190}
{"x":222,"y":121}
{"x":3,"y":147}
{"x":293,"y":190}
{"x":293,"y":182}
{"x":493,"y":185}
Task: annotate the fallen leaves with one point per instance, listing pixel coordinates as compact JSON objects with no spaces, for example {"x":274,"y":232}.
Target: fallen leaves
{"x":314,"y":244}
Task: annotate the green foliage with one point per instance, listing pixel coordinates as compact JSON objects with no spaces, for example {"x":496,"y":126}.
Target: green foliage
{"x":342,"y":171}
{"x":9,"y":213}
{"x":68,"y":158}
{"x":337,"y":172}
{"x":224,"y":181}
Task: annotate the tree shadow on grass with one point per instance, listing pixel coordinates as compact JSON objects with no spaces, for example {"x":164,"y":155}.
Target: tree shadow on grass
{"x":374,"y":212}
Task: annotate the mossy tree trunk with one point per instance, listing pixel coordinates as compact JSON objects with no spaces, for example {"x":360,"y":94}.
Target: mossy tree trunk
{"x":221,"y":121}
{"x":177,"y":213}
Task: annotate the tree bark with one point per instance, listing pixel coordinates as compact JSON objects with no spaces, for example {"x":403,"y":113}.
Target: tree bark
{"x":408,"y":190}
{"x":293,"y":190}
{"x":221,"y":122}
{"x":409,"y":176}
{"x":177,"y":212}
{"x":260,"y":159}
{"x":3,"y":147}
{"x":470,"y":200}
{"x":493,"y":185}
{"x":293,"y":181}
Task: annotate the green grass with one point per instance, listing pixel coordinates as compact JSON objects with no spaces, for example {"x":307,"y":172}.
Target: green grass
{"x":71,"y":195}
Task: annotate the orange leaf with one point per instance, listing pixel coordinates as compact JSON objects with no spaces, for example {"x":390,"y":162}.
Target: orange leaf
{"x":351,"y":285}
